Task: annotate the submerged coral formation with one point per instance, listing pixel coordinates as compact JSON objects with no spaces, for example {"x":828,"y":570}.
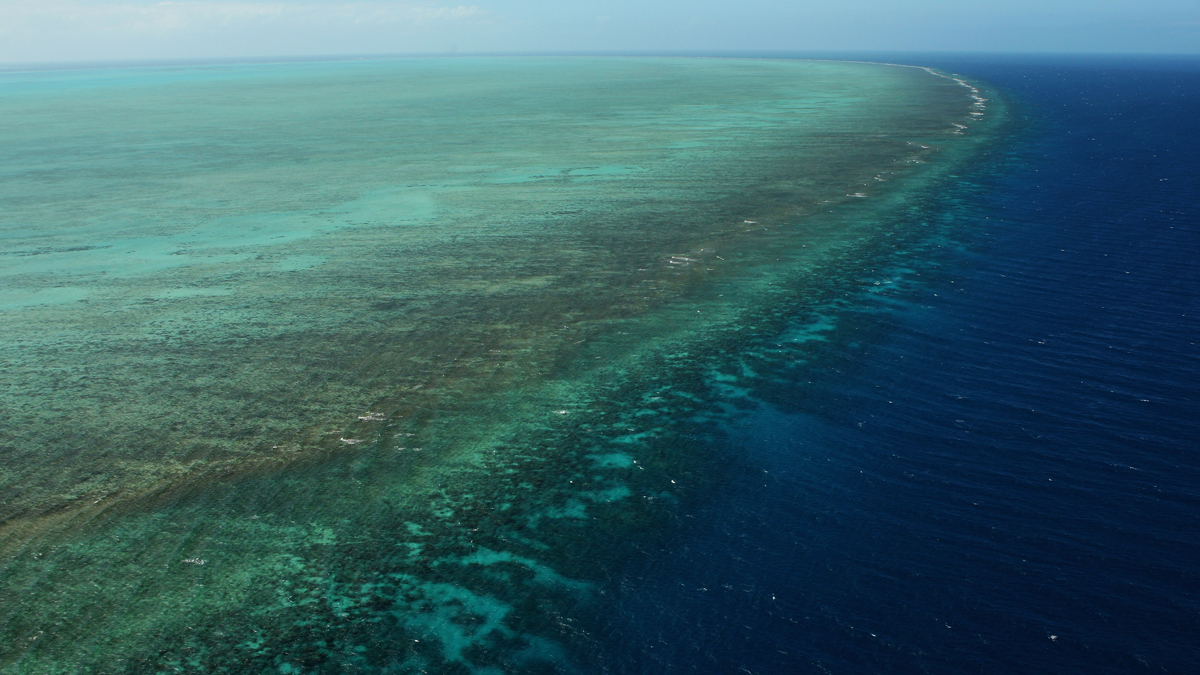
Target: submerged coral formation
{"x":386,"y":366}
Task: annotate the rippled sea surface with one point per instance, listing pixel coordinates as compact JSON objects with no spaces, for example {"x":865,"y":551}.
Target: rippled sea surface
{"x":992,"y":468}
{"x":599,"y":365}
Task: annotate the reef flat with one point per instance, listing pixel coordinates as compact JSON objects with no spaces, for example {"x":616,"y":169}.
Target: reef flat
{"x":381,"y":366}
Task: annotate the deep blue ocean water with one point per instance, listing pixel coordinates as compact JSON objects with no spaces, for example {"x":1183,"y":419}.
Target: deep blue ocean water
{"x":996,"y":469}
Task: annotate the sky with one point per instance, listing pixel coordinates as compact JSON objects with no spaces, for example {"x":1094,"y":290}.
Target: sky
{"x":47,"y":31}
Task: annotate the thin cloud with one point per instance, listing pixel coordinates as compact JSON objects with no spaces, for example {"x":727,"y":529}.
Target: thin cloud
{"x":168,"y":17}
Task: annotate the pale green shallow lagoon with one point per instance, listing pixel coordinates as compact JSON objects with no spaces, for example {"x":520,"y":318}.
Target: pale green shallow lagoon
{"x":370,"y":366}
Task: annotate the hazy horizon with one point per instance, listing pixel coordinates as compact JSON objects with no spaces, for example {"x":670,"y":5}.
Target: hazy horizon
{"x":89,"y":31}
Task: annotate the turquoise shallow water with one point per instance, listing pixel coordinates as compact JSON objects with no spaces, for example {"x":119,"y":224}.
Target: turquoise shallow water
{"x":380,"y":365}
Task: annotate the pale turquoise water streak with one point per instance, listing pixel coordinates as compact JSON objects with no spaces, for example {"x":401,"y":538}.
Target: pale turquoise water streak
{"x":369,"y":365}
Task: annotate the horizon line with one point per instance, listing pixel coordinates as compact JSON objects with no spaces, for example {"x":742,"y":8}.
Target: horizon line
{"x":829,"y":54}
